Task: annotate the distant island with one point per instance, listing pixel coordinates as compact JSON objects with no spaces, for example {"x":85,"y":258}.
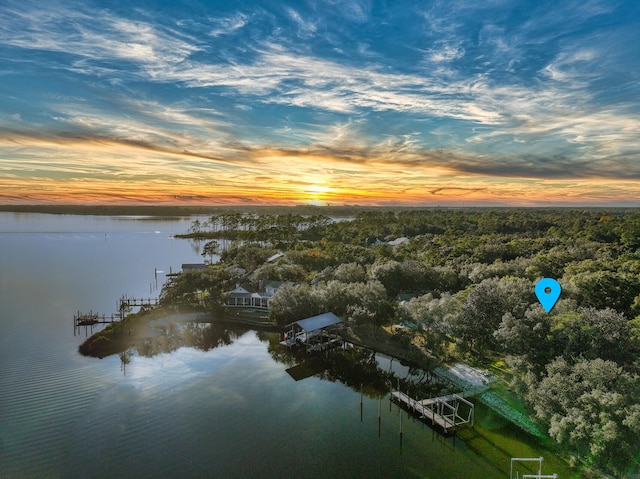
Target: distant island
{"x":450,"y":284}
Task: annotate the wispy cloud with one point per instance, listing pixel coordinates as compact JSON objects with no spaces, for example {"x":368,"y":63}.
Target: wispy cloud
{"x":480,"y":100}
{"x":97,"y":35}
{"x":306,"y":28}
{"x":227,"y":25}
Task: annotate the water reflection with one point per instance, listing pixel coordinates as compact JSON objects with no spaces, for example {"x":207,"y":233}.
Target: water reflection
{"x":203,"y":336}
{"x":369,"y":374}
{"x":235,"y":378}
{"x":352,"y":366}
{"x":125,"y":358}
{"x":195,"y":244}
{"x":358,"y":367}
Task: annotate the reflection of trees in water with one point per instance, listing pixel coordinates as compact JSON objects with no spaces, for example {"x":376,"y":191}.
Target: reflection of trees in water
{"x":196,"y":245}
{"x":204,"y":336}
{"x":355,"y":367}
{"x":352,"y":367}
{"x":281,"y":354}
{"x":125,"y":358}
{"x":358,"y":366}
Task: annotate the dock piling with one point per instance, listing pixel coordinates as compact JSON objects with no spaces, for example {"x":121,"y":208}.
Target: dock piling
{"x":401,"y":432}
{"x":379,"y":414}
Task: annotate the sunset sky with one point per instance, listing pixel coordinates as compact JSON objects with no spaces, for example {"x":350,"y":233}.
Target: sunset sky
{"x":491,"y":102}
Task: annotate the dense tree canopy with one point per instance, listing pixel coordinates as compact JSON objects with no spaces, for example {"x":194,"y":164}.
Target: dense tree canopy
{"x":463,"y":284}
{"x":591,"y":405}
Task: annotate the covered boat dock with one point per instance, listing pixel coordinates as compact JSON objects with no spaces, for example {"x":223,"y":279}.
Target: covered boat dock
{"x":313,"y":333}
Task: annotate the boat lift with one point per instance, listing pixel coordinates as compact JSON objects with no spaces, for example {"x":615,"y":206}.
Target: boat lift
{"x":539,"y":475}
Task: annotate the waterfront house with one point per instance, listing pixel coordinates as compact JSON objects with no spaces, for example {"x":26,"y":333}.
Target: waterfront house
{"x":246,"y":295}
{"x":241,"y":295}
{"x":269,"y":288}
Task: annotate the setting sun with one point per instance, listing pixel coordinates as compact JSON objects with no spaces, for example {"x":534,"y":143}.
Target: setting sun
{"x":107,"y":106}
{"x":316,"y":195}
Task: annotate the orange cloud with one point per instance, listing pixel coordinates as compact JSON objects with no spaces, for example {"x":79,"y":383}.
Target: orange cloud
{"x":67,"y":170}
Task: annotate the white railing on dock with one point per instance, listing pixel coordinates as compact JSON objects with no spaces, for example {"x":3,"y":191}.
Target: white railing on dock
{"x":442,"y":411}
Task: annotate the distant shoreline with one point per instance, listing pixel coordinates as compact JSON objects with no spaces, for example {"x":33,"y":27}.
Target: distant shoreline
{"x":334,"y":211}
{"x":181,"y":211}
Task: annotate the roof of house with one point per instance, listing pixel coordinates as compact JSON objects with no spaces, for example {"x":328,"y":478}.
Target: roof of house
{"x":275,"y":257}
{"x":406,"y":296}
{"x":318,"y":322}
{"x":244,"y":286}
{"x":398,"y":241}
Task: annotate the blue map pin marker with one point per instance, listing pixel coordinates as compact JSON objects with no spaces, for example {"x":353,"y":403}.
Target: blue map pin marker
{"x":548,"y":291}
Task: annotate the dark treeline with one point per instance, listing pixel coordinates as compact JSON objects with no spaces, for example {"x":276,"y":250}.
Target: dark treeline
{"x":462,"y":284}
{"x":599,"y":225}
{"x":254,"y":227}
{"x":181,"y":210}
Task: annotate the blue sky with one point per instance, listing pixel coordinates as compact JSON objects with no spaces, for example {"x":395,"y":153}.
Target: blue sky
{"x":432,"y":102}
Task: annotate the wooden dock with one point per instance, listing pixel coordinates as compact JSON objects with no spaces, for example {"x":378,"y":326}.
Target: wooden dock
{"x":90,"y":319}
{"x":330,"y":343}
{"x":441,"y":411}
{"x":124,"y":305}
{"x":132,"y":302}
{"x":319,"y":343}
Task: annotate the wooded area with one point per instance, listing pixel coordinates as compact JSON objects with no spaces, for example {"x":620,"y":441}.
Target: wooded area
{"x":462,"y":285}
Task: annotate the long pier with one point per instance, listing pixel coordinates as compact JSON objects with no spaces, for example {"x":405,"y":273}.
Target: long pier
{"x":81,"y":319}
{"x":441,"y":411}
{"x":123,"y":307}
{"x":125,"y":303}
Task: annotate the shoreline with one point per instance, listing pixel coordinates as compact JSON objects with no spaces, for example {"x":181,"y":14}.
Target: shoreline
{"x":119,"y":336}
{"x":341,"y":211}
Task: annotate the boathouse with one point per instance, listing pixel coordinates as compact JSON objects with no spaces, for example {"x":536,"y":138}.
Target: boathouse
{"x":313,"y":333}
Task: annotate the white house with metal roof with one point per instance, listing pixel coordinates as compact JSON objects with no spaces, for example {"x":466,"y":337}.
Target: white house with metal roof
{"x":245,"y":295}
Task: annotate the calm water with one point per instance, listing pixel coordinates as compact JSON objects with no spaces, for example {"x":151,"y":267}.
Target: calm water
{"x":229,"y":411}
